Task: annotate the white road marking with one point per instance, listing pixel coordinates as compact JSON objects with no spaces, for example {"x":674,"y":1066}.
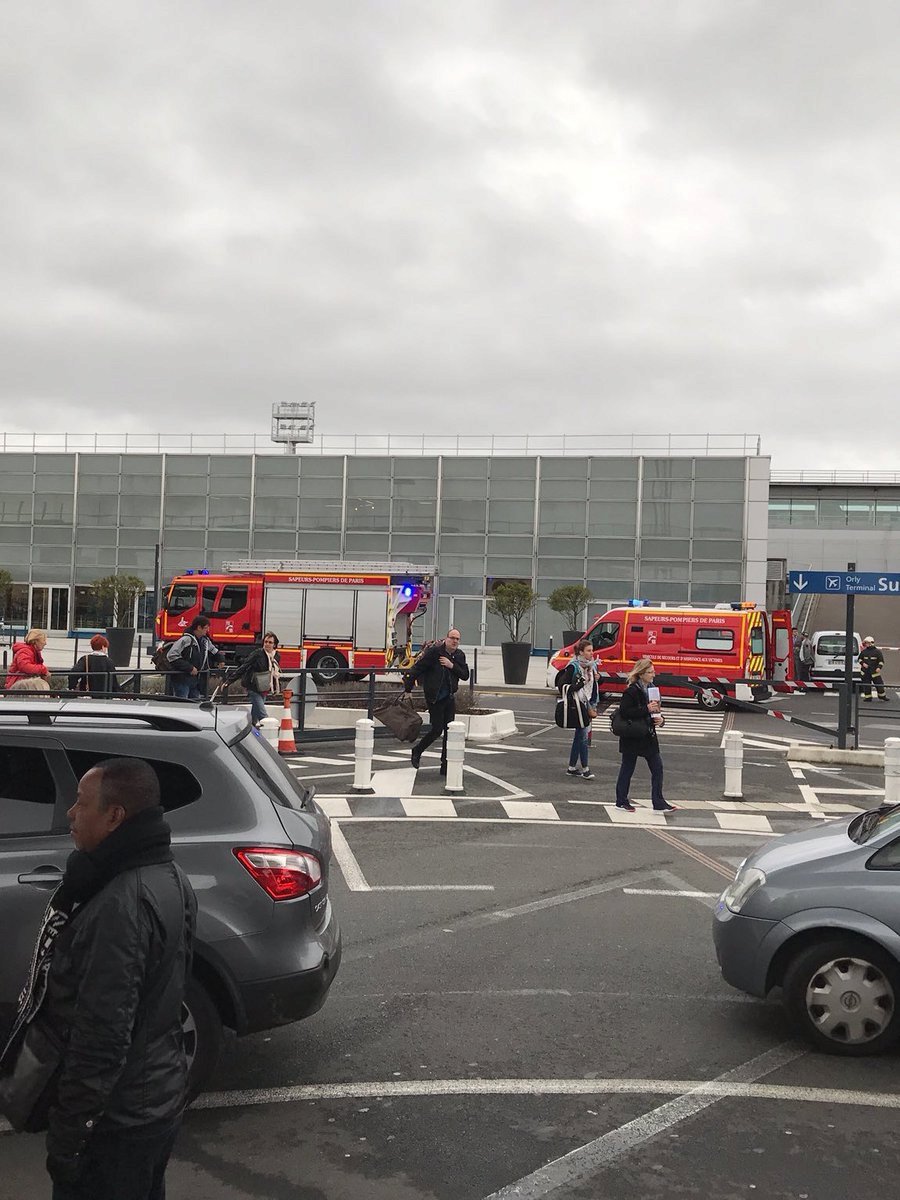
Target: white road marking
{"x":433,"y":887}
{"x":560,"y":824}
{"x":428,"y":806}
{"x":743,"y":821}
{"x":334,"y":806}
{"x":515,"y":793}
{"x":811,"y":800}
{"x":666,"y":892}
{"x":346,"y":860}
{"x":394,"y":783}
{"x":536,"y":810}
{"x":621,"y":816}
{"x":578,"y":1165}
{"x":299,"y":763}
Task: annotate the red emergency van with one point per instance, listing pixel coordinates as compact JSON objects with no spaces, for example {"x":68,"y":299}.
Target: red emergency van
{"x":327,"y":615}
{"x":727,"y":642}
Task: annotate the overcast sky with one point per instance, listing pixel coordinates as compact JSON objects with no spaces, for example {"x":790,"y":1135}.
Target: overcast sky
{"x":492,"y":216}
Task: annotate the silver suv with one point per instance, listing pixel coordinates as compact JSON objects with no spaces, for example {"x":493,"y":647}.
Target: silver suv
{"x":253,"y":841}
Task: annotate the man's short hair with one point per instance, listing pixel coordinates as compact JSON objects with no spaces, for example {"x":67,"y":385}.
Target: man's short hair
{"x":131,"y":782}
{"x":198,"y":623}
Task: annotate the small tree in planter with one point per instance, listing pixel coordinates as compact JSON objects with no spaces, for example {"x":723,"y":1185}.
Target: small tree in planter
{"x":513,"y":603}
{"x":120,"y":593}
{"x":570,"y":601}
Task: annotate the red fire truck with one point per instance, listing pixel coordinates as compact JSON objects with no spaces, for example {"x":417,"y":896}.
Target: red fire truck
{"x":327,"y":615}
{"x":727,"y":642}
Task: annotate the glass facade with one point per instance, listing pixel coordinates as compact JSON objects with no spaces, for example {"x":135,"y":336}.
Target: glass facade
{"x":832,"y":509}
{"x":668,"y":529}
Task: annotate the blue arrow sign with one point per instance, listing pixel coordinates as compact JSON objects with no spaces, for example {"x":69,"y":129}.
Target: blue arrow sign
{"x":844,"y":583}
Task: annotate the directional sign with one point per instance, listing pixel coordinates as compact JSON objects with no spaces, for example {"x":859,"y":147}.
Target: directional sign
{"x":844,"y":583}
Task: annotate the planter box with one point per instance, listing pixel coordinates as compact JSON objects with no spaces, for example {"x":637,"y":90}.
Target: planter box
{"x":480,"y":727}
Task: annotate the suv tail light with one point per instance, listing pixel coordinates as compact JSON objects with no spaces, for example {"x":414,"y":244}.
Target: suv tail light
{"x":282,"y":874}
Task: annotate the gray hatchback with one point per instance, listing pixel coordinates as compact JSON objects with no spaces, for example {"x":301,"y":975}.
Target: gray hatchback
{"x":253,"y":841}
{"x":818,"y":914}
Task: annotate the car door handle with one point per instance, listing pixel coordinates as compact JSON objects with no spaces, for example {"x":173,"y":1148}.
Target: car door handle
{"x":43,"y":876}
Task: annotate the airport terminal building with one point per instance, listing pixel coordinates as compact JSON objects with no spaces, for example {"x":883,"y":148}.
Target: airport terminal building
{"x":653,"y":518}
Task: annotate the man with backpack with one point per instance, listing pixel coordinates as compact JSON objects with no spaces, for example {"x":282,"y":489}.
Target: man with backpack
{"x":190,"y":659}
{"x":440,"y":667}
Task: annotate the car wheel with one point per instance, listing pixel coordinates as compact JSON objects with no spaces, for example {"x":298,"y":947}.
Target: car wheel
{"x":326,"y":666}
{"x":201,"y":1026}
{"x":843,"y":996}
{"x":710,"y":701}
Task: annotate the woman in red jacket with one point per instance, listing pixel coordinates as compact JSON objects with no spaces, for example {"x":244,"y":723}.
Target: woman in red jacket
{"x":27,"y":658}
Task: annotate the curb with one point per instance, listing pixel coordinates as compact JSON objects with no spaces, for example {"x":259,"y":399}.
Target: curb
{"x":828,"y":754}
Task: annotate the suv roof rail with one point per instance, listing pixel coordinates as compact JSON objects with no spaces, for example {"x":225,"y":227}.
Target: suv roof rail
{"x":44,"y":714}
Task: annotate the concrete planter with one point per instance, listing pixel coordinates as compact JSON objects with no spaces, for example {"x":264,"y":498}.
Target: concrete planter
{"x":480,"y":727}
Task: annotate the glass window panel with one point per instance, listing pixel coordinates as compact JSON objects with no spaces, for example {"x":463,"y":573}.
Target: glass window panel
{"x":91,"y":482}
{"x":411,"y":545}
{"x":512,"y":489}
{"x":563,"y":468}
{"x":179,"y":465}
{"x":53,"y":535}
{"x":361,"y":467}
{"x":267,"y":544}
{"x":562,"y":568}
{"x":612,"y":568}
{"x":562,"y":517}
{"x":87,"y":536}
{"x":320,"y":513}
{"x":15,"y":509}
{"x":100,"y":510}
{"x":136,"y":559}
{"x":367,"y":544}
{"x":506,"y":565}
{"x":23,"y":463}
{"x":887,"y":514}
{"x":321,"y":487}
{"x":715,"y":593}
{"x":463,"y":585}
{"x":186,"y":485}
{"x":185,"y":511}
{"x":463,"y":489}
{"x":464,"y":468}
{"x":716,"y":572}
{"x":463,"y":516}
{"x":604,"y":588}
{"x":21,"y":533}
{"x":612,"y":518}
{"x":277,"y":485}
{"x":15,"y":555}
{"x":726,"y":519}
{"x":181,"y":539}
{"x":462,"y":564}
{"x":52,"y":481}
{"x":671,"y":593}
{"x":663,"y":519}
{"x":415,"y":515}
{"x":138,"y":537}
{"x":59,"y":555}
{"x":613,"y":489}
{"x":415,"y":489}
{"x":664,"y":572}
{"x":509,"y":545}
{"x":725,"y":549}
{"x":141,"y":464}
{"x":665,"y":548}
{"x":720,"y":468}
{"x":368,"y":489}
{"x":415,"y":468}
{"x":53,"y":508}
{"x":374,"y":514}
{"x":271,"y":466}
{"x":315,"y":467}
{"x":141,"y":485}
{"x":312,"y":544}
{"x":667,"y":468}
{"x":569,"y":547}
{"x":454,"y":543}
{"x":230,"y":465}
{"x":138,"y":511}
{"x":511,"y":516}
{"x":614,"y":468}
{"x":275,"y":513}
{"x":779,"y":514}
{"x":666,"y":489}
{"x":733,"y":491}
{"x":513,"y":468}
{"x":230,"y":485}
{"x":804,"y":514}
{"x":860,"y":514}
{"x":563,"y":489}
{"x":222,"y":539}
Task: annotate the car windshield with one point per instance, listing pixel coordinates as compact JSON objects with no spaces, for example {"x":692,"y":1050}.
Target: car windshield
{"x":877,"y":820}
{"x":832,"y":645}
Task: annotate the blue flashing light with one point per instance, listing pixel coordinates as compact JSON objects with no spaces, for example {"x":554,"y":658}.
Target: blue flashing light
{"x":203,"y":571}
{"x":634,"y":602}
{"x":189,"y":572}
{"x":406,"y":591}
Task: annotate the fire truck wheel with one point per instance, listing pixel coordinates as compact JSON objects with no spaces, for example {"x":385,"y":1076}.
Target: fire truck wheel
{"x":710,"y":701}
{"x":326,"y":666}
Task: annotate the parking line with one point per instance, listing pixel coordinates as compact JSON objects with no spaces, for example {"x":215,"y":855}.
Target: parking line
{"x":346,"y":860}
{"x":667,"y":892}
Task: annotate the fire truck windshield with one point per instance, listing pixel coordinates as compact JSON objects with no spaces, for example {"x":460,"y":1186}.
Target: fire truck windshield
{"x":181,"y":597}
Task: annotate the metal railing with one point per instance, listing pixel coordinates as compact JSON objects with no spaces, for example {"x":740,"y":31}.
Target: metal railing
{"x":850,"y":477}
{"x":491,"y":445}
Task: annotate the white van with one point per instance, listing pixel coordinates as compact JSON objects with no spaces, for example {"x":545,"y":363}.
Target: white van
{"x":828,"y":653}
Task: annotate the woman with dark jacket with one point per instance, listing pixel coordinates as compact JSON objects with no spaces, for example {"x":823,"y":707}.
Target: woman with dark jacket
{"x":577,"y":687}
{"x":641,"y":742}
{"x":95,"y":672}
{"x":260,"y":674}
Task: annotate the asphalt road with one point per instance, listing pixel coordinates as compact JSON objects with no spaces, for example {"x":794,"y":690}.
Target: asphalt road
{"x":532,"y":1020}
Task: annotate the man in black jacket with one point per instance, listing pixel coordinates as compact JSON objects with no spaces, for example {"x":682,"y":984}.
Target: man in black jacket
{"x":114,"y":991}
{"x":190,"y":659}
{"x":871,"y":661}
{"x":440,"y":669}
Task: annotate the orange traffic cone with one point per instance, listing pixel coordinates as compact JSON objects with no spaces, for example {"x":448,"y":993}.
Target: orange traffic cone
{"x":286,"y":743}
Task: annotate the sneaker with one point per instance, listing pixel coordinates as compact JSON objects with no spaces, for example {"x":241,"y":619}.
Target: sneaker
{"x":415,"y":758}
{"x":886,"y":699}
{"x":572,"y":771}
{"x":667,"y":808}
{"x":626,"y":807}
{"x":867,"y":697}
{"x":587,"y":774}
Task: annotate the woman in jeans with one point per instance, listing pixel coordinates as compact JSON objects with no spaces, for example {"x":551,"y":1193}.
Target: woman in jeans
{"x":637,"y":707}
{"x":252,"y":673}
{"x":581,"y":678}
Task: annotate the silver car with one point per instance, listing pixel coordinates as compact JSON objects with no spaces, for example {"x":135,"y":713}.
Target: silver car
{"x":818,"y":914}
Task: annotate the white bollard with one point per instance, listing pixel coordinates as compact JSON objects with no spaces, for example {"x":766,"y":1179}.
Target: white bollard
{"x":892,"y":770}
{"x":270,"y":727}
{"x":363,"y":750}
{"x":734,"y":764}
{"x":456,"y":750}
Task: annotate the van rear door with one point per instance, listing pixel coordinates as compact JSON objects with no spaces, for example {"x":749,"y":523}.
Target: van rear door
{"x":781,"y":657}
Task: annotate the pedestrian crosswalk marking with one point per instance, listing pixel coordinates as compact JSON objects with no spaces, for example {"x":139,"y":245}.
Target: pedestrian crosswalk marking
{"x":732,"y":821}
{"x":534,"y":810}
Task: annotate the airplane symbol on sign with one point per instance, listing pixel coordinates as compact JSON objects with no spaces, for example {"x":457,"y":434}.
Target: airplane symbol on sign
{"x":833,"y":583}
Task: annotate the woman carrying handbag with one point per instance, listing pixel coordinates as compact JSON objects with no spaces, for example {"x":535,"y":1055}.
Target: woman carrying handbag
{"x":635,"y":723}
{"x":260,"y":674}
{"x":577,"y":686}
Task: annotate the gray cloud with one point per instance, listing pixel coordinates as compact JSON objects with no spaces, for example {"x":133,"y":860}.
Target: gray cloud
{"x":502,"y":216}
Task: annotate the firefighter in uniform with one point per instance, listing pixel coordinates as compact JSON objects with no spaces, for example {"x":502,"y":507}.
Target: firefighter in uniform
{"x":871,"y":660}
